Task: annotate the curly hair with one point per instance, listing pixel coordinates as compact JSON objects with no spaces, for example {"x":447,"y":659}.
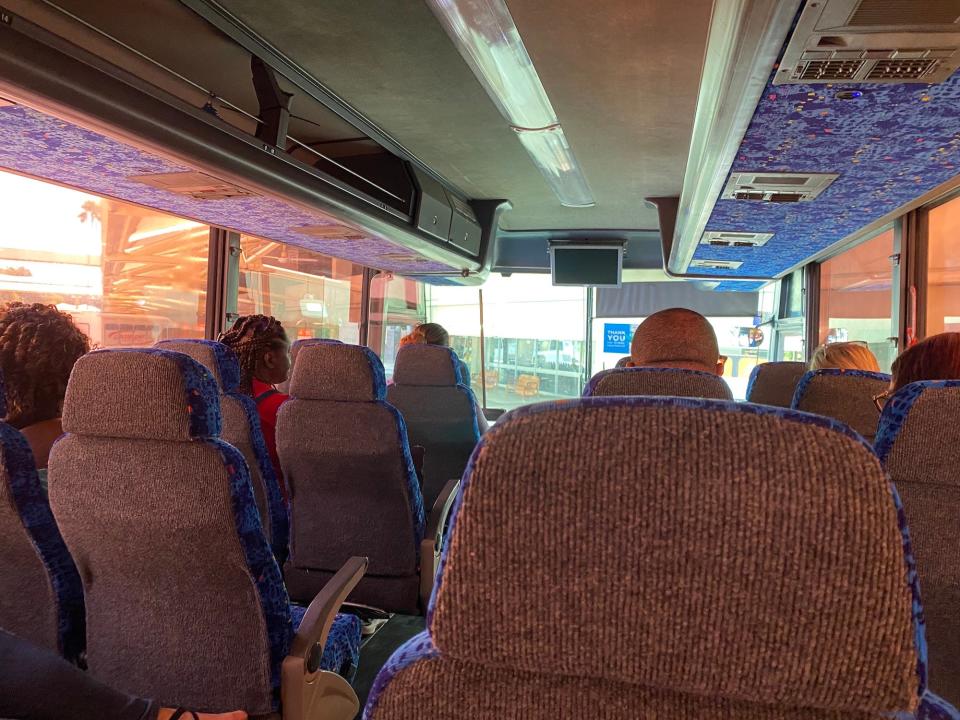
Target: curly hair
{"x":38,"y":348}
{"x":249,"y":337}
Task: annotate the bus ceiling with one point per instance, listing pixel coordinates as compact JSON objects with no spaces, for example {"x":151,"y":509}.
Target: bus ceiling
{"x":385,"y":138}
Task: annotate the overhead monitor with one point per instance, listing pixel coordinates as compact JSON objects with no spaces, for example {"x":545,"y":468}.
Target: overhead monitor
{"x":595,"y":265}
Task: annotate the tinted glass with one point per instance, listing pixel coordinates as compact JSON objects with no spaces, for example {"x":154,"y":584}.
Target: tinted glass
{"x":856,"y":296}
{"x":129,"y":276}
{"x":943,"y":269}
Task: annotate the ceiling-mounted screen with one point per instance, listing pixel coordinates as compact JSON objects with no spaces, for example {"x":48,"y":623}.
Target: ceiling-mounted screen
{"x":584,"y":264}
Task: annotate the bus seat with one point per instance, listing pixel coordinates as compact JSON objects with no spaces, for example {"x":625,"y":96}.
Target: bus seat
{"x":185,"y":602}
{"x":622,"y":362}
{"x":353,"y":486}
{"x":241,"y":428}
{"x":918,"y":442}
{"x":441,"y":413}
{"x":758,"y":570}
{"x":284,"y":387}
{"x":658,"y":381}
{"x":773,"y":383}
{"x":844,"y":395}
{"x":42,"y":596}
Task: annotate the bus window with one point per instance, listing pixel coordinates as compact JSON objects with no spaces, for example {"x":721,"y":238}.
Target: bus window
{"x":943,"y":269}
{"x":129,"y":276}
{"x":743,"y":343}
{"x":397,"y":305}
{"x":312,"y":295}
{"x":534,"y":337}
{"x":856,"y":295}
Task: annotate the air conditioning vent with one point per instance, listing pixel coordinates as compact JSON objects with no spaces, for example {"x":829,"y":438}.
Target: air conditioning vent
{"x":778,"y":188}
{"x":873,"y":41}
{"x":197,"y":185}
{"x":829,"y":70}
{"x":722,"y":238}
{"x":716,"y":264}
{"x":329,"y":232}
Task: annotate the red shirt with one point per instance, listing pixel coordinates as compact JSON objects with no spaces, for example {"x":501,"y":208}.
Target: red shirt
{"x":267,"y":409}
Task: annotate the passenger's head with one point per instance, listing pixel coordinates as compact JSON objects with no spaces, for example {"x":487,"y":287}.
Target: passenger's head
{"x":844,"y":356}
{"x":677,"y":338}
{"x":262,"y":348}
{"x":431,"y":334}
{"x":38,"y":348}
{"x":936,"y":358}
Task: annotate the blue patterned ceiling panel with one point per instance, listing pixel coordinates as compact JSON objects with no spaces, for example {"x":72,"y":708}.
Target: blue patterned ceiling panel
{"x":890,"y":146}
{"x":45,"y":147}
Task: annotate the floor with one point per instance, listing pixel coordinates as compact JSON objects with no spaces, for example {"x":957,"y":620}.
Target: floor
{"x":375,"y":652}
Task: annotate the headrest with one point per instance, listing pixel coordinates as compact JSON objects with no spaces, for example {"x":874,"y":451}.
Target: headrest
{"x":337,"y":371}
{"x":303,"y":342}
{"x":918,"y":434}
{"x":427,"y":365}
{"x":658,"y":381}
{"x":773,"y":383}
{"x":143,"y":393}
{"x":837,"y":378}
{"x":220,"y":360}
{"x":755,"y":555}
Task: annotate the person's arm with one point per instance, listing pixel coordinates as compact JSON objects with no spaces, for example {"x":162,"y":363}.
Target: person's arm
{"x":37,"y":684}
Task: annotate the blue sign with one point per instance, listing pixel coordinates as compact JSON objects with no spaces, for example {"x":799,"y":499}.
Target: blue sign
{"x":616,"y":338}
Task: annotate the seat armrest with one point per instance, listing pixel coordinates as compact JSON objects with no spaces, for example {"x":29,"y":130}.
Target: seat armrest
{"x":432,"y":543}
{"x":305,"y":689}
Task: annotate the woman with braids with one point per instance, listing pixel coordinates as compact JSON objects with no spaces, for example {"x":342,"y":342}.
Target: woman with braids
{"x":264,"y":352}
{"x":38,"y":348}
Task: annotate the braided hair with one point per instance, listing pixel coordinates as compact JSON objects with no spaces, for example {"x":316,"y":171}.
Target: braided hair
{"x":250,"y":337}
{"x":38,"y":348}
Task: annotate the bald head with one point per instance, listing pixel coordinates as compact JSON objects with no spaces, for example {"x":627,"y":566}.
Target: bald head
{"x":676,"y":338}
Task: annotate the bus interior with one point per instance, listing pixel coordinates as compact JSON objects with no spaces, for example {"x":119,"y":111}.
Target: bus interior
{"x":788,"y":169}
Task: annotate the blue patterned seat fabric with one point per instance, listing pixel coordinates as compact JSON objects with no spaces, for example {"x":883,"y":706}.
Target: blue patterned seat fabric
{"x":422,"y":647}
{"x":31,"y":504}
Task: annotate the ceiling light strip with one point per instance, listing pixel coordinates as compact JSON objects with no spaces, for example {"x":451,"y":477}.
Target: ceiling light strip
{"x":486,"y":37}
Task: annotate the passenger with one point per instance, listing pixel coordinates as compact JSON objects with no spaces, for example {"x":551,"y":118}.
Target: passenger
{"x":844,"y":356}
{"x":434,"y":334}
{"x":39,"y":685}
{"x":38,"y":348}
{"x":676,"y":338}
{"x":936,"y":358}
{"x":261,"y":345}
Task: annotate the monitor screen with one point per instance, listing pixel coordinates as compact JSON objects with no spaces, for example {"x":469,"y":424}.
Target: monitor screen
{"x":594,"y":265}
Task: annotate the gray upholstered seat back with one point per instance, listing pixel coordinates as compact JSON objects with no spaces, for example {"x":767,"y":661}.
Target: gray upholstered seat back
{"x":763,"y":577}
{"x":919,"y":443}
{"x":658,"y":381}
{"x":41,"y":598}
{"x":185,"y":602}
{"x":440,"y":411}
{"x":845,"y":395}
{"x":773,"y":383}
{"x":352,"y":484}
{"x":241,"y":428}
{"x":284,"y":387}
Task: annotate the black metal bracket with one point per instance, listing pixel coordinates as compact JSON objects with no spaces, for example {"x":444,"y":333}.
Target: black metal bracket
{"x":274,"y":104}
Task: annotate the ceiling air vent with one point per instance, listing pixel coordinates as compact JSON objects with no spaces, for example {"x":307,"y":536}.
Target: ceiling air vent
{"x":776,"y":187}
{"x":722,"y":238}
{"x":197,"y":185}
{"x":873,"y":41}
{"x":329,"y":232}
{"x":716,"y":264}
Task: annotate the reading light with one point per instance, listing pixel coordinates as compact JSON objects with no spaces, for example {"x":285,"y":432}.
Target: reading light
{"x":485,"y":35}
